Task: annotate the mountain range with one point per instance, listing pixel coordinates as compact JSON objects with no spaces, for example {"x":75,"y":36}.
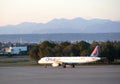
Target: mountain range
{"x":76,"y":25}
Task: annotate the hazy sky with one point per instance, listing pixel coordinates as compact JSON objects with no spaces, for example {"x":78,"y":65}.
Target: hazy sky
{"x":17,"y":11}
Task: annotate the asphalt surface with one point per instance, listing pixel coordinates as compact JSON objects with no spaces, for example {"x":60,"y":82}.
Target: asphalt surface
{"x":79,"y":75}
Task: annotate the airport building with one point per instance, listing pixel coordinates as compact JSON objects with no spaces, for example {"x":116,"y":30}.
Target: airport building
{"x":16,"y":50}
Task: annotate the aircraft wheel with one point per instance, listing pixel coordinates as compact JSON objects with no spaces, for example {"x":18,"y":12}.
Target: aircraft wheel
{"x":73,"y":66}
{"x":64,"y":65}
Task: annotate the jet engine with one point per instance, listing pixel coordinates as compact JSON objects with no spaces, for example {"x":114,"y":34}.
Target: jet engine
{"x":55,"y":64}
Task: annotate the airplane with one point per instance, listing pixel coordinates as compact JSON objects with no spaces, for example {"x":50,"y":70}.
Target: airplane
{"x":63,"y":61}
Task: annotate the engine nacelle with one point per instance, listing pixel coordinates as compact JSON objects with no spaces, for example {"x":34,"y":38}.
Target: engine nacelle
{"x":55,"y":64}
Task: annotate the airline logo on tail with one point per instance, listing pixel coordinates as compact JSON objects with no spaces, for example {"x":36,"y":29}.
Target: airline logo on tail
{"x":95,"y":52}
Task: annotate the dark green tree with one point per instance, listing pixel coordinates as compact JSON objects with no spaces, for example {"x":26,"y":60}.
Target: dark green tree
{"x":64,"y":44}
{"x":67,"y":51}
{"x":117,"y":50}
{"x":85,"y":53}
{"x":58,"y":50}
{"x":108,"y":51}
{"x":82,"y":45}
{"x":46,"y":49}
{"x":34,"y":53}
{"x":45,"y":44}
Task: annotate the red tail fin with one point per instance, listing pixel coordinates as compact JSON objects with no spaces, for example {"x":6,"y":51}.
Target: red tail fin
{"x":95,"y":52}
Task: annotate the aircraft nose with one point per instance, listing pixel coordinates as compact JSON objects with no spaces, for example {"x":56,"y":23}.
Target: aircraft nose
{"x":39,"y":61}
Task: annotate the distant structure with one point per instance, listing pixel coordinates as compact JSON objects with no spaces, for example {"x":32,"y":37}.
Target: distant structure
{"x":16,"y":50}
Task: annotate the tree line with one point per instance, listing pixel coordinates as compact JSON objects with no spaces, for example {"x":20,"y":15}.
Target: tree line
{"x":109,"y":50}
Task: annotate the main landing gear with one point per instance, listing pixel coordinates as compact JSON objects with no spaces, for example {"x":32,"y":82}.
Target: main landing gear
{"x":64,"y":65}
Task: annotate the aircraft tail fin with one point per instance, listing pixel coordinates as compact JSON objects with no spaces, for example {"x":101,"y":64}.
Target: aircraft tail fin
{"x":95,"y":52}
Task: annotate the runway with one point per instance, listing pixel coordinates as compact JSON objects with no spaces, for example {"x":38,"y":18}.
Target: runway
{"x":79,"y":75}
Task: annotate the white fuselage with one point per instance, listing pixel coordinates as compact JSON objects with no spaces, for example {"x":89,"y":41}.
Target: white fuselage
{"x":67,"y":60}
{"x":56,"y":61}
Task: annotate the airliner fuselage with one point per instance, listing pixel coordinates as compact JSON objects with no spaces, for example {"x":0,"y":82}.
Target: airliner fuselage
{"x":67,"y":60}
